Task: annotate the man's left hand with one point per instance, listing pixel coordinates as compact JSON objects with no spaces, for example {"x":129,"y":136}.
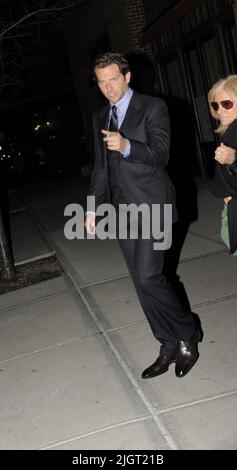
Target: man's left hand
{"x":114,"y":141}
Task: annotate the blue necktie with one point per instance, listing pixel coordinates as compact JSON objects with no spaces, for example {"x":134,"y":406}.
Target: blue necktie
{"x":113,"y":123}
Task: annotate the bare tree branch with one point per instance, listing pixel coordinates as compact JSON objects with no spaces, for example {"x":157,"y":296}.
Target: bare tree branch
{"x":24,"y":28}
{"x":44,"y":10}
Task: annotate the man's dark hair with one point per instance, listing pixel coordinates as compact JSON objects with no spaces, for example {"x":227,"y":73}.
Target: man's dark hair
{"x":109,"y":58}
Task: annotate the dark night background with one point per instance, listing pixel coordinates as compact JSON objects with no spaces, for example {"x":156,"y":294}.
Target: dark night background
{"x":48,"y":97}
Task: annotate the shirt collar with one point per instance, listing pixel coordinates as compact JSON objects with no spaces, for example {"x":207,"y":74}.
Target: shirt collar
{"x":124,"y":100}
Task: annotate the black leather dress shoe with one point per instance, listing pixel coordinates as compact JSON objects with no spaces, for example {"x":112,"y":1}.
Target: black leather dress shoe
{"x":160,"y":366}
{"x":187,"y":356}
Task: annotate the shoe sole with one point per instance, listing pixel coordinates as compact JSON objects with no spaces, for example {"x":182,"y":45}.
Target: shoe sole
{"x":157,"y":375}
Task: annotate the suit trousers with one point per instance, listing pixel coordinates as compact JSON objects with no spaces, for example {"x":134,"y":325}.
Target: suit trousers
{"x":167,"y":319}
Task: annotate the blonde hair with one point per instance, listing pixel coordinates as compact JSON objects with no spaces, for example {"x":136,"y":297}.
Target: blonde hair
{"x":229,"y":85}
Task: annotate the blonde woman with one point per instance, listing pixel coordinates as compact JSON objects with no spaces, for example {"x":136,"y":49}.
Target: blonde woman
{"x":222,"y":100}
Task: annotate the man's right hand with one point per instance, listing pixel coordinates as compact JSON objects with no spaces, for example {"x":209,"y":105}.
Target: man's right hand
{"x":90,"y":223}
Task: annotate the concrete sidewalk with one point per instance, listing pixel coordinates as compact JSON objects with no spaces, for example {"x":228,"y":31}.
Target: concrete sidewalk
{"x":73,"y":348}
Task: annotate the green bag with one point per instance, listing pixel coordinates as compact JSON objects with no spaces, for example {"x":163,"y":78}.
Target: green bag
{"x":225,"y":230}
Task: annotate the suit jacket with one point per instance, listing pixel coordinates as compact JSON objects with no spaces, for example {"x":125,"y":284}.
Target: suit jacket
{"x":142,"y":175}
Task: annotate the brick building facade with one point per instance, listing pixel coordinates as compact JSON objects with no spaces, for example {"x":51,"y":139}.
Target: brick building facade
{"x":195,"y":44}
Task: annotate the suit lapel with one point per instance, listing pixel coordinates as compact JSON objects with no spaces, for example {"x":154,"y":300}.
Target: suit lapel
{"x":133,"y":115}
{"x":103,"y":123}
{"x":104,"y":117}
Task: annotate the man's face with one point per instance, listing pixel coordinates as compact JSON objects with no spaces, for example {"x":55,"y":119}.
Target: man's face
{"x":112,"y":83}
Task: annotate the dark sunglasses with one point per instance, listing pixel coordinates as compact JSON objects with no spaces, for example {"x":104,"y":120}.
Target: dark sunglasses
{"x":226,"y":104}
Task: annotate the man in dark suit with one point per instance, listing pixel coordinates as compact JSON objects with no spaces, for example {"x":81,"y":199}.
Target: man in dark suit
{"x":132,"y":137}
